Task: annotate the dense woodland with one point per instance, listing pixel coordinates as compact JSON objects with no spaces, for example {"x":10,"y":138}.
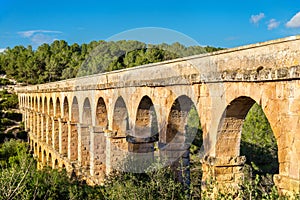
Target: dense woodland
{"x":59,"y":61}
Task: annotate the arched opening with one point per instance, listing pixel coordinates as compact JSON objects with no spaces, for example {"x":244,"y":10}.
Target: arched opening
{"x":41,"y":104}
{"x":56,"y":164}
{"x":64,"y":128}
{"x":98,"y":158}
{"x":57,"y":108}
{"x":44,"y":120}
{"x":51,"y":109}
{"x":29,"y":102}
{"x":183,"y":141}
{"x":50,"y":160}
{"x":35,"y":117}
{"x":87,"y":112}
{"x":73,"y":153}
{"x":143,"y":141}
{"x":120,"y":118}
{"x":101,"y":114}
{"x":35,"y":150}
{"x":44,"y":158}
{"x":45,"y":106}
{"x":120,"y":127}
{"x":146,"y":128}
{"x":258,"y":144}
{"x":40,"y":154}
{"x":50,"y":122}
{"x":66,"y":109}
{"x":55,"y":122}
{"x":36,"y":104}
{"x":85,"y":134}
{"x":245,"y":131}
{"x":40,"y":119}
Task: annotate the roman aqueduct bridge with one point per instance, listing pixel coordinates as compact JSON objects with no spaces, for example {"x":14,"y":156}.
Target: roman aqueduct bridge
{"x":88,"y":124}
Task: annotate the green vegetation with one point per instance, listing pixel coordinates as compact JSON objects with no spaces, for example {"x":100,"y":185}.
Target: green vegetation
{"x":19,"y":178}
{"x":5,"y":81}
{"x":258,"y":143}
{"x":9,"y":118}
{"x":59,"y":61}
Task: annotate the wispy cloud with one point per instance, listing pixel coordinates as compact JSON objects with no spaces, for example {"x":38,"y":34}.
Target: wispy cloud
{"x":232,"y":38}
{"x":254,"y":19}
{"x":272,"y":24}
{"x":38,"y":37}
{"x":294,"y":22}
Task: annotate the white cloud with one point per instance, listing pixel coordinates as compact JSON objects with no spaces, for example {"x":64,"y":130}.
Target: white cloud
{"x":2,"y":50}
{"x":38,"y":37}
{"x":30,"y":33}
{"x":256,"y":18}
{"x":294,"y":22}
{"x":273,"y":23}
{"x":41,"y":39}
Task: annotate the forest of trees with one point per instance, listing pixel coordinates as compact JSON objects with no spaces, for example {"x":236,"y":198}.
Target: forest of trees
{"x":59,"y":60}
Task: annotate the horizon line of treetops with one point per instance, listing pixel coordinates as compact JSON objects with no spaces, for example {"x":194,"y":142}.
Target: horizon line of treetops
{"x":60,"y":61}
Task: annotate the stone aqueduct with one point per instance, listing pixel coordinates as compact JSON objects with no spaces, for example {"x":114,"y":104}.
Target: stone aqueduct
{"x":82,"y":124}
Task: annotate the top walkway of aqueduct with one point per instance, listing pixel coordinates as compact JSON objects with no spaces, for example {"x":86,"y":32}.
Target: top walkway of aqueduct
{"x":265,"y":61}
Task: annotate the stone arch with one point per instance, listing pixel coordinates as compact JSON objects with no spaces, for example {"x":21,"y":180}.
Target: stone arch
{"x":35,"y":149}
{"x":51,"y":107}
{"x":45,"y":158}
{"x":120,"y":118}
{"x":55,"y":121}
{"x":98,"y":140}
{"x":56,"y":164}
{"x":32,"y":103}
{"x":35,"y":117}
{"x":145,"y":133}
{"x":87,"y":112}
{"x":230,"y":127}
{"x":40,"y":154}
{"x":50,"y":122}
{"x":101,"y":114}
{"x":41,"y":104}
{"x":73,"y":152}
{"x":229,"y":136}
{"x":84,"y":158}
{"x":29,"y":102}
{"x":57,"y":108}
{"x":45,"y":106}
{"x":64,"y":128}
{"x":182,"y":128}
{"x":50,"y":160}
{"x":66,"y":109}
{"x":75,"y":110}
{"x":36,"y":104}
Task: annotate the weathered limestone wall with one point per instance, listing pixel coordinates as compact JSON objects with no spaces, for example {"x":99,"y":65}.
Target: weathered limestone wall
{"x":89,"y":124}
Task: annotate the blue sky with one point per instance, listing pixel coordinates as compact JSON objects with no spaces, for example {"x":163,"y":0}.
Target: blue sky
{"x":228,"y":23}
